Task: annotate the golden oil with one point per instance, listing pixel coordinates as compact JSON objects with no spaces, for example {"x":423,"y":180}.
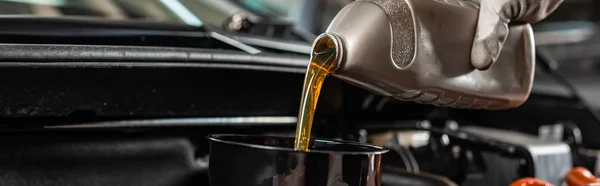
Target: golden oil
{"x":322,"y":62}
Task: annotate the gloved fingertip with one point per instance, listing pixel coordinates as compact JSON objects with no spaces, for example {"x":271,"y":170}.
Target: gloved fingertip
{"x":484,"y":65}
{"x":481,"y":59}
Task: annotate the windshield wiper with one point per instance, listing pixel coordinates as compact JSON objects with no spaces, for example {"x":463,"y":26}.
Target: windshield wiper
{"x":80,"y":31}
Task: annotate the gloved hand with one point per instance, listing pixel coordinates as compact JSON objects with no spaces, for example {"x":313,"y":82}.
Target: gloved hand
{"x":492,"y":25}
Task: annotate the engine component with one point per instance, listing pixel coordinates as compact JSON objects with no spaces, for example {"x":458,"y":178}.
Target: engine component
{"x":551,"y":159}
{"x":580,"y":176}
{"x":530,"y":182}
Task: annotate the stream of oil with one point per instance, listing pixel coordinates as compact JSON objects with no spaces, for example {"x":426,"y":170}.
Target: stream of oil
{"x":322,"y":62}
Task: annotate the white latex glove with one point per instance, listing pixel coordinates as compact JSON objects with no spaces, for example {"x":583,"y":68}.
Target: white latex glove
{"x":492,"y":25}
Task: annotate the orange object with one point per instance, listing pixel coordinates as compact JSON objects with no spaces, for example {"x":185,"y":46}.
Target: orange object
{"x":580,"y":176}
{"x":530,"y":182}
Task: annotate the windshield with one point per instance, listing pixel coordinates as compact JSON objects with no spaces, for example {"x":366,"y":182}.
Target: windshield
{"x":288,"y":19}
{"x":191,"y":12}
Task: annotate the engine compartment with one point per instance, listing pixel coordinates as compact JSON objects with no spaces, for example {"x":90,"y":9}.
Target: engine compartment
{"x":148,"y":129}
